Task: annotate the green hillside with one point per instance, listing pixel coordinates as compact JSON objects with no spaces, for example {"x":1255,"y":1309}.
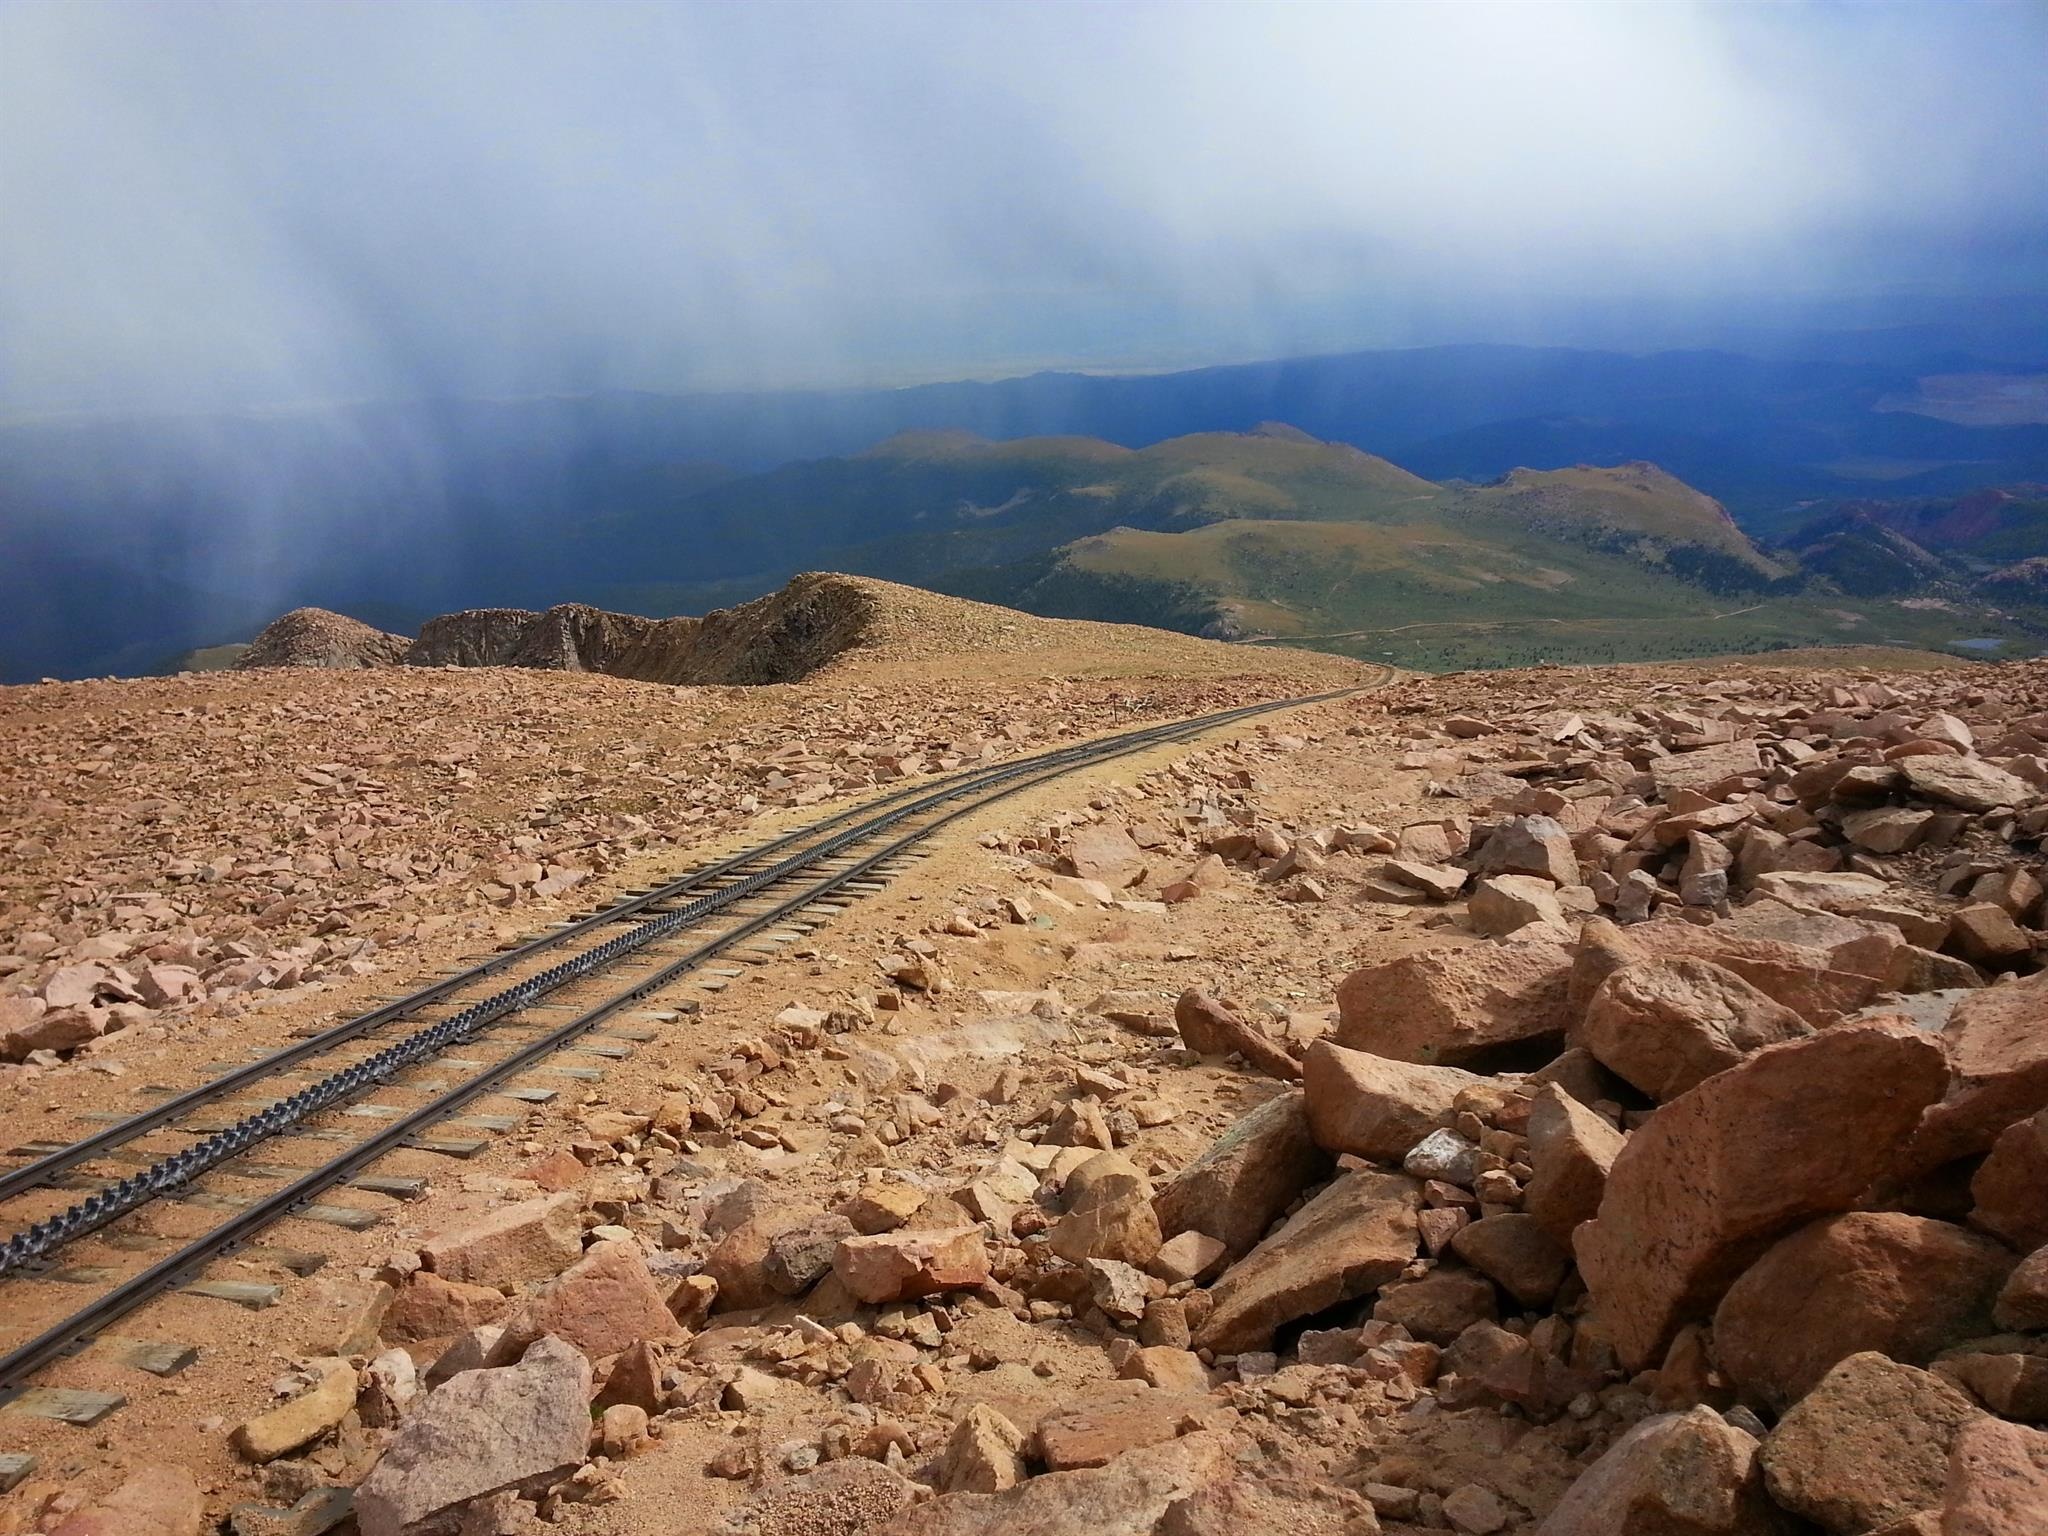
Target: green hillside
{"x":1274,"y":536}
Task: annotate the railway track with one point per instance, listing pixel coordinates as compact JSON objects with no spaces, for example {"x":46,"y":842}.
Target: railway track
{"x":495,"y":1025}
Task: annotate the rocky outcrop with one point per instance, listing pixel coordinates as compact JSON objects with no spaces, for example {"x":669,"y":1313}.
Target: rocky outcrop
{"x":779,"y":638}
{"x":314,"y":637}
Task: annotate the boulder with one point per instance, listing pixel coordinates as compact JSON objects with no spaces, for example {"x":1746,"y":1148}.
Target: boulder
{"x":1666,"y":1025}
{"x":2012,"y":1386}
{"x":1807,"y":979}
{"x":1529,"y":845}
{"x":1795,"y":1131}
{"x":1444,"y":1156}
{"x":1867,"y":1447}
{"x":1985,"y":934}
{"x":1571,"y":1150}
{"x":1249,"y":1175}
{"x":1188,"y":1256}
{"x":1826,"y":891}
{"x":1903,"y":1286}
{"x":606,"y":1302}
{"x":1351,"y":1239}
{"x":883,"y":1205}
{"x":1703,"y":878}
{"x":1602,"y":949}
{"x":1456,"y":1007}
{"x":532,"y":1240}
{"x":1167,"y":1367}
{"x":1998,"y":1057}
{"x":465,"y":1352}
{"x":77,"y":986}
{"x":520,"y":1427}
{"x":1886,"y":829}
{"x":738,"y":1262}
{"x":800,"y":1253}
{"x":900,"y":1266}
{"x":634,"y":1381}
{"x":1677,"y":1474}
{"x":27,"y":1024}
{"x":1440,"y":1305}
{"x":1373,"y":1107}
{"x":166,"y":986}
{"x":1705,"y":768}
{"x":1439,"y":882}
{"x":1109,"y":1214}
{"x":622,"y":1431}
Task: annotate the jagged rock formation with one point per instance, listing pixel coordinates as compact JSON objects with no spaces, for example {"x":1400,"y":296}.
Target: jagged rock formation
{"x":314,"y":637}
{"x":774,"y":639}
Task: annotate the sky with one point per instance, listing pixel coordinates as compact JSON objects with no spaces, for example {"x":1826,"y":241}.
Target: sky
{"x":240,"y":205}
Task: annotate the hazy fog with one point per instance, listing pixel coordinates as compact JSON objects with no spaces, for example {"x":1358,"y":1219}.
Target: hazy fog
{"x":204,"y":204}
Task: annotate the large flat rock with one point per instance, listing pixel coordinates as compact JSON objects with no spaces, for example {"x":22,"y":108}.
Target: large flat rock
{"x":1456,"y":1007}
{"x":1347,"y":1242}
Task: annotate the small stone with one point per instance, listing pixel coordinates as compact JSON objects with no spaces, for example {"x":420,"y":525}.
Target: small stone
{"x":984,"y":1453}
{"x":305,"y":1418}
{"x":1443,"y":1155}
{"x":1475,"y":1510}
{"x":1188,"y":1256}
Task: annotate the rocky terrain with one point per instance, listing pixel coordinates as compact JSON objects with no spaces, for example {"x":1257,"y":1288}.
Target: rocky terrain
{"x":191,"y":847}
{"x":1544,"y":1104}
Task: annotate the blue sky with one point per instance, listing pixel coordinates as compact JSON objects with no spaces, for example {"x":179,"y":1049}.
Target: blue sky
{"x":230,"y":204}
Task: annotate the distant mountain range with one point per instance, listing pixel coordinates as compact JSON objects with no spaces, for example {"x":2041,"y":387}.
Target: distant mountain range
{"x":1276,"y":535}
{"x":132,"y":541}
{"x":1989,"y":542}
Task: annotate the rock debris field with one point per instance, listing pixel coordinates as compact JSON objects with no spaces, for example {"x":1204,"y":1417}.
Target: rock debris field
{"x":1563,"y":1103}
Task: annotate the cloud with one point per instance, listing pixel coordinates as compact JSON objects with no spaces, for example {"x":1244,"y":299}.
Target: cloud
{"x":212,"y":202}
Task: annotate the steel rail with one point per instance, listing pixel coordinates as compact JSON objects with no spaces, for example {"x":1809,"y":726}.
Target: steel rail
{"x":70,"y":1333}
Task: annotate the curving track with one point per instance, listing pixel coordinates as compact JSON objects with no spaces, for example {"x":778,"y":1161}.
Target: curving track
{"x":492,"y":1005}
